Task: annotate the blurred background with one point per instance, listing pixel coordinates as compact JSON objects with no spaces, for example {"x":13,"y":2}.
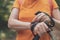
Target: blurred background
{"x":5,"y":10}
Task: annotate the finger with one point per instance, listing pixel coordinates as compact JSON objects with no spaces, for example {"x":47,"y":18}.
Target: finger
{"x":42,"y":30}
{"x":39,"y":32}
{"x":35,"y":30}
{"x":46,"y":27}
{"x":40,"y":17}
{"x":43,"y":18}
{"x":34,"y":19}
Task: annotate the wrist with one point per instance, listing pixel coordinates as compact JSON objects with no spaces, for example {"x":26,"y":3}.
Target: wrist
{"x":29,"y":26}
{"x":33,"y":25}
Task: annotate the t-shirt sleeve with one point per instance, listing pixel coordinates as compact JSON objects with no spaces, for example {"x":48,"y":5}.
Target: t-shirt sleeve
{"x":16,"y":4}
{"x":54,"y":3}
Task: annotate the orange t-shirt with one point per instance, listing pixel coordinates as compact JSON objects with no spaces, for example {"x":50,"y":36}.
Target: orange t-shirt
{"x":28,"y":8}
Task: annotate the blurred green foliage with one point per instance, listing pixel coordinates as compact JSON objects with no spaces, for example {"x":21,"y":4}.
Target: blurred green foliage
{"x":5,"y":6}
{"x":5,"y":9}
{"x":58,"y":2}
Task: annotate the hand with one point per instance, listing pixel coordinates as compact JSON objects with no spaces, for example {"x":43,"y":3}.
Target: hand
{"x":41,"y":17}
{"x":41,"y":28}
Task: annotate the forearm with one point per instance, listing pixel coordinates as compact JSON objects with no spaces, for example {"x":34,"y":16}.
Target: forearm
{"x":18,"y":25}
{"x":57,"y":23}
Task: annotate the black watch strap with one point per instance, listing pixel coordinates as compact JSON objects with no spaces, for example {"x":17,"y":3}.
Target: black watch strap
{"x":33,"y":26}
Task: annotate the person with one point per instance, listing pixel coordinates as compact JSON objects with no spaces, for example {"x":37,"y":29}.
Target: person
{"x":23,"y":13}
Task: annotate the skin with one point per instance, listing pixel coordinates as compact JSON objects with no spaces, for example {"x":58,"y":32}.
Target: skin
{"x":18,"y":25}
{"x":42,"y":17}
{"x":14,"y":23}
{"x":40,"y":28}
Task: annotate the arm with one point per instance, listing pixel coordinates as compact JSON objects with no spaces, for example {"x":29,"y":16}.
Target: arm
{"x":56,"y":15}
{"x":56,"y":18}
{"x":14,"y":23}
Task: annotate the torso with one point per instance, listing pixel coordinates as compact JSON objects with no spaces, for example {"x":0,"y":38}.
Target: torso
{"x":27,"y":13}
